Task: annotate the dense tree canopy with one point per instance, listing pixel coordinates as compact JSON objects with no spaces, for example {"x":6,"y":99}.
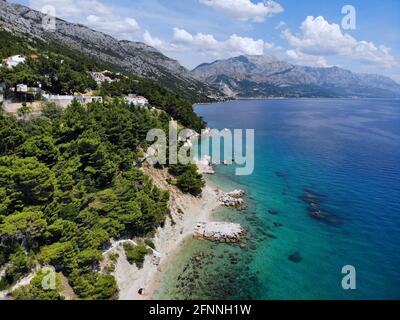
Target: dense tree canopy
{"x":35,"y":291}
{"x":68,"y":185}
{"x":69,"y":180}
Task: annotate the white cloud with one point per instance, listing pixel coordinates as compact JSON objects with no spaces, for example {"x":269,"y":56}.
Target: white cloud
{"x":120,"y":26}
{"x":206,"y":41}
{"x":234,"y":45}
{"x":245,"y":9}
{"x":280,"y":25}
{"x":160,"y":44}
{"x":94,"y":14}
{"x":152,"y":41}
{"x":301,"y":58}
{"x":132,"y":23}
{"x":321,"y":38}
{"x":246,"y":45}
{"x":73,"y":8}
{"x":182,"y":35}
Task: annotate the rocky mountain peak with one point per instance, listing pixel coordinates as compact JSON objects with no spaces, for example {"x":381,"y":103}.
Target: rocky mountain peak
{"x":265,"y":76}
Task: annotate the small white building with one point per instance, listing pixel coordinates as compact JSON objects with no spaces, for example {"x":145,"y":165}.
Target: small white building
{"x":65,"y":100}
{"x":23,"y":88}
{"x":61,"y":100}
{"x":13,"y":61}
{"x":136,"y":100}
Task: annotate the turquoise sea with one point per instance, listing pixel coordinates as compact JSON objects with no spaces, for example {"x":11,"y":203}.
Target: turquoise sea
{"x":325,"y":193}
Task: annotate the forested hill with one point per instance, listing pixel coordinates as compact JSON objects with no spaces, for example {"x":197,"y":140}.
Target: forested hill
{"x":61,"y":70}
{"x":68,"y":185}
{"x":132,"y":57}
{"x":68,"y":178}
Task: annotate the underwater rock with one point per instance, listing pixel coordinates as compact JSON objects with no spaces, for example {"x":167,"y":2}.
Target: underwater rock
{"x":313,"y":201}
{"x":295,"y":257}
{"x":281,"y":174}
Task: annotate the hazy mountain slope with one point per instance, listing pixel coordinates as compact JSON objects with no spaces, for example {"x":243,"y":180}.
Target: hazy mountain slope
{"x":256,"y":76}
{"x":134,"y":57}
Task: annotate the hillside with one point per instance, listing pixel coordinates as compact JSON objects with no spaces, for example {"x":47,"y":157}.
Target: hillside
{"x":132,"y":57}
{"x":266,"y":76}
{"x":70,"y":180}
{"x":61,"y":70}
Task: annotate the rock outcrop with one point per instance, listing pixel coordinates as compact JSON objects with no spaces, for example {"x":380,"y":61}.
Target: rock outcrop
{"x":204,"y":165}
{"x":219,"y":231}
{"x":231,"y":199}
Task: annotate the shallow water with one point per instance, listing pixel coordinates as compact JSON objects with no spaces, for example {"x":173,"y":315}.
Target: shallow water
{"x":338,"y":157}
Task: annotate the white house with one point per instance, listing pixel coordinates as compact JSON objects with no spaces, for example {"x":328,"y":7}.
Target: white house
{"x":61,"y":100}
{"x":22,"y":88}
{"x":136,"y":100}
{"x":13,"y":61}
{"x":65,"y":100}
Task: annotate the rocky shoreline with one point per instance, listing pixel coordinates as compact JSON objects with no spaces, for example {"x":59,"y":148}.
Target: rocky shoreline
{"x":219,"y":231}
{"x":190,"y":216}
{"x":231,"y":199}
{"x":223,"y":231}
{"x":204,"y":166}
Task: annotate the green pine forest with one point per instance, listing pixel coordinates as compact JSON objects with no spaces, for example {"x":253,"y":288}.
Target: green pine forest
{"x":70,"y":179}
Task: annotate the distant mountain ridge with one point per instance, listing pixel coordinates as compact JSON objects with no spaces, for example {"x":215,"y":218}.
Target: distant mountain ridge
{"x":243,"y":76}
{"x":133,"y":57}
{"x":267,"y":76}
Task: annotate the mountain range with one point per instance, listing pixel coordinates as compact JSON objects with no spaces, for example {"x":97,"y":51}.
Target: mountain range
{"x":238,"y":77}
{"x":267,"y":76}
{"x":132,"y":57}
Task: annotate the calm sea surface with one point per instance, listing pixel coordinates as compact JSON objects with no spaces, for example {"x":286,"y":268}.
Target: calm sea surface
{"x":325,"y":193}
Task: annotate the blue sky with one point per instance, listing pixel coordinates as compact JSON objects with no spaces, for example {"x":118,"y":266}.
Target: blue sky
{"x":307,"y":32}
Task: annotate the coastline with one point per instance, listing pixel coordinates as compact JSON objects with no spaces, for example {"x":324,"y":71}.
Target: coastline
{"x":186,"y":212}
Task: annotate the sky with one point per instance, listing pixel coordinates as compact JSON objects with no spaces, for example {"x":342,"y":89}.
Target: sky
{"x":364,"y":37}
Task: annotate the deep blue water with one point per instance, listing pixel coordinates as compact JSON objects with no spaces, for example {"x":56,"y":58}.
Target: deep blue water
{"x":344,"y":155}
